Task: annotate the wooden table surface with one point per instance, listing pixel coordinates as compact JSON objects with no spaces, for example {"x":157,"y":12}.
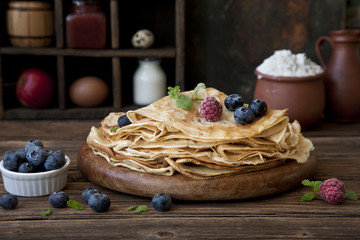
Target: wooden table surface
{"x":282,"y":216}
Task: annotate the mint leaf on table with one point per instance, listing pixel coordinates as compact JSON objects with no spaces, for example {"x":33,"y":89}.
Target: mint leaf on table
{"x":306,"y":182}
{"x":46,"y":213}
{"x":131,"y":208}
{"x":141,"y":208}
{"x":74,"y":204}
{"x":316,"y":186}
{"x":351,"y":195}
{"x":308,"y":196}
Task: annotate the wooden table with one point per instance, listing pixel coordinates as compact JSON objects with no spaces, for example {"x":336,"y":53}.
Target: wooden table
{"x":282,"y":216}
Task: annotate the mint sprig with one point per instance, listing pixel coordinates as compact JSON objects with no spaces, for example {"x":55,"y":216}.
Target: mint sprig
{"x":138,"y":209}
{"x":74,"y":204}
{"x":114,"y":129}
{"x":131,"y":208}
{"x":182,"y":101}
{"x":315,"y":185}
{"x":46,"y":213}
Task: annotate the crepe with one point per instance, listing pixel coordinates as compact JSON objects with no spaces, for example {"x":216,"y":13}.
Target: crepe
{"x":164,"y":139}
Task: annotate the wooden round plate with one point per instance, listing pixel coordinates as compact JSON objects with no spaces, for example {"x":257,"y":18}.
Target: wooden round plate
{"x":241,"y":186}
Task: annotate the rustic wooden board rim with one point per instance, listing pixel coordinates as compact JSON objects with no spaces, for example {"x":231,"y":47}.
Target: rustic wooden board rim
{"x":271,"y":181}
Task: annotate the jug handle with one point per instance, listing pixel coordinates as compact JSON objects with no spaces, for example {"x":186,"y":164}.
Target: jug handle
{"x":319,"y":51}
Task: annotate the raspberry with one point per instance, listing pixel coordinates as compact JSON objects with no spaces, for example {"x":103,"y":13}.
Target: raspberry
{"x":210,"y":109}
{"x":332,"y":191}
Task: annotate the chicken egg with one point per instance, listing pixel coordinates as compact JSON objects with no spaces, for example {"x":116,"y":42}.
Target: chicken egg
{"x":88,"y":91}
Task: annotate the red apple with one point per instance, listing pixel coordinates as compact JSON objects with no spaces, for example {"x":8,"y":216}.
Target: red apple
{"x":35,"y":88}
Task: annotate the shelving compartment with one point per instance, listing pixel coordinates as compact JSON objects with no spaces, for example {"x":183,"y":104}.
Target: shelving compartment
{"x":116,"y":64}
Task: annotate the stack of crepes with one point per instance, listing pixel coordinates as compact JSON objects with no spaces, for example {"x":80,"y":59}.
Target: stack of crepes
{"x":164,"y":139}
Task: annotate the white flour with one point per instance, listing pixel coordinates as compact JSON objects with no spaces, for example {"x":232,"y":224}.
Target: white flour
{"x":285,"y":63}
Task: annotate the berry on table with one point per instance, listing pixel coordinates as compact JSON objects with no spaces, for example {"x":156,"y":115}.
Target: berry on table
{"x":210,"y":109}
{"x":233,"y":101}
{"x":88,"y":192}
{"x":161,"y":202}
{"x":123,"y":120}
{"x":58,"y":199}
{"x":259,"y":107}
{"x":332,"y":191}
{"x":99,"y":202}
{"x":8,"y":201}
{"x":243,"y":115}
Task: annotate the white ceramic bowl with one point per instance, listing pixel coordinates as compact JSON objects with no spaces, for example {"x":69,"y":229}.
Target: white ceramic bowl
{"x":35,"y":184}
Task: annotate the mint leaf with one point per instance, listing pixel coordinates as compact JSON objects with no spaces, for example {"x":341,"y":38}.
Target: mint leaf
{"x":141,"y":208}
{"x":184,"y":102}
{"x":131,"y":208}
{"x":46,"y":213}
{"x":316,"y":186}
{"x":114,"y":129}
{"x":351,"y":195}
{"x":308,"y":196}
{"x":306,"y":183}
{"x":74,"y":204}
{"x":198,"y":88}
{"x":174,"y":92}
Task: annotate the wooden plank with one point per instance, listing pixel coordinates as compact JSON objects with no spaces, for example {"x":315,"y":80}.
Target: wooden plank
{"x":61,"y":82}
{"x":114,"y":24}
{"x":116,"y":83}
{"x":258,"y":227}
{"x":1,"y":90}
{"x":160,"y":52}
{"x":57,"y":113}
{"x":180,"y":43}
{"x":59,"y":24}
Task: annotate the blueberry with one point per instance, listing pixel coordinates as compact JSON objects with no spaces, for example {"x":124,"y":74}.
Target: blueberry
{"x":22,"y":153}
{"x":36,"y":156}
{"x":8,"y":201}
{"x":243,"y":115}
{"x":87,"y":193}
{"x":11,"y":160}
{"x":55,"y":161}
{"x":161,"y":202}
{"x":99,"y":202}
{"x":123,"y":120}
{"x":259,"y":107}
{"x":26,"y":168}
{"x":32,"y":143}
{"x":233,"y":101}
{"x":58,"y":199}
{"x":49,"y":152}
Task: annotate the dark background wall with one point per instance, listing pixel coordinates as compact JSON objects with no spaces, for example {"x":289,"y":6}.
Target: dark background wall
{"x":227,"y":39}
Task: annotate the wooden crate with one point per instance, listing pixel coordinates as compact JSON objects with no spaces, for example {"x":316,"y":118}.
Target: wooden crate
{"x":115,"y":64}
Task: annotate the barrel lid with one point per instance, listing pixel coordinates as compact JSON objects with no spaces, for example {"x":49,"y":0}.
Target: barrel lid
{"x":31,"y":5}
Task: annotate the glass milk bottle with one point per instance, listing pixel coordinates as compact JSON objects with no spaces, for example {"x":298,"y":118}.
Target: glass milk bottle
{"x":149,"y":83}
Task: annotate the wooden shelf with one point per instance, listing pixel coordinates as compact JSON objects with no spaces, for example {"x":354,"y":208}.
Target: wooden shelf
{"x":164,"y":53}
{"x":116,"y":63}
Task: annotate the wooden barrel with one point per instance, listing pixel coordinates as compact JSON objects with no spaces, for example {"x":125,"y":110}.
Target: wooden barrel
{"x":30,"y":23}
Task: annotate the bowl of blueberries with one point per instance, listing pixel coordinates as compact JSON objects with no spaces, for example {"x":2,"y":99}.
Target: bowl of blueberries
{"x":34,"y":171}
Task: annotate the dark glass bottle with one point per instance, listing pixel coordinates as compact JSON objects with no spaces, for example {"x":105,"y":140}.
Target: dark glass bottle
{"x":86,"y":25}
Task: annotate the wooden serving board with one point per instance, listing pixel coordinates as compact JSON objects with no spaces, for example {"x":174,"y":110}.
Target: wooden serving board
{"x":241,"y":186}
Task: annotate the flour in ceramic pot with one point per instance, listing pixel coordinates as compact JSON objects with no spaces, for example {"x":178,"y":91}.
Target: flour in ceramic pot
{"x":285,"y":63}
